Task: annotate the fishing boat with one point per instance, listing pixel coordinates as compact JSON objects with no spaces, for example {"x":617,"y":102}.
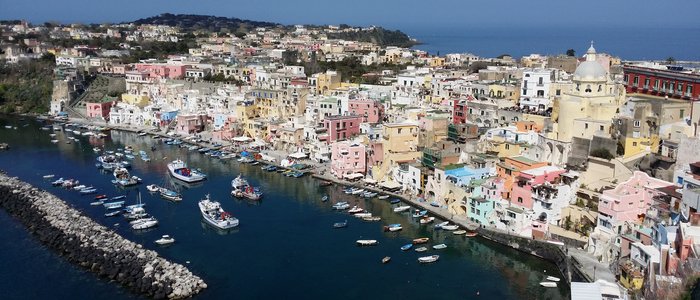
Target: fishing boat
{"x":355,"y":209}
{"x":548,"y":284}
{"x":402,"y":208}
{"x":439,"y":246}
{"x":242,"y":189}
{"x":179,"y":170}
{"x":341,"y":224}
{"x":439,"y":226}
{"x":422,"y":240}
{"x":152,"y":188}
{"x":427,"y":220}
{"x":367,"y":242}
{"x":48,"y":176}
{"x":165,"y":240}
{"x":394,"y":201}
{"x":420,"y":214}
{"x":421,"y":249}
{"x":123,"y":178}
{"x":113,"y":213}
{"x":148,"y":223}
{"x":552,"y":278}
{"x":324,"y":199}
{"x":386,"y":259}
{"x":382,"y":197}
{"x":450,"y":227}
{"x":459,"y":232}
{"x":215,"y":215}
{"x":406,"y":247}
{"x":114,"y":205}
{"x":428,"y":259}
{"x":169,"y":194}
{"x":372,"y":219}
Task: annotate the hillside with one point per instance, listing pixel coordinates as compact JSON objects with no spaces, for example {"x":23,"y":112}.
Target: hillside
{"x":378,"y":35}
{"x":189,"y":22}
{"x":26,"y":86}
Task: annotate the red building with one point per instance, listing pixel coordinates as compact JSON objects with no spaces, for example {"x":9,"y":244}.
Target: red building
{"x":98,"y":110}
{"x":671,"y":83}
{"x":460,"y":108}
{"x":342,"y":127}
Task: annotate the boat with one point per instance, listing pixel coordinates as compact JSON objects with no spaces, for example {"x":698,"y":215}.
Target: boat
{"x":427,"y":220}
{"x":48,"y":176}
{"x":123,"y":178}
{"x":552,"y":278}
{"x":372,"y":219}
{"x":357,"y":191}
{"x":136,"y":214}
{"x":148,"y":223}
{"x":363,"y":215}
{"x":421,"y":249}
{"x":152,"y":188}
{"x":470,"y":234}
{"x":242,"y":189}
{"x":406,"y":247}
{"x":386,"y":259}
{"x":439,"y":226}
{"x":439,"y":246}
{"x":355,"y":209}
{"x":98,"y":197}
{"x":54,"y":141}
{"x":428,"y":259}
{"x":402,"y":208}
{"x":367,"y":242}
{"x":420,"y":214}
{"x":325,"y":183}
{"x":393,"y":228}
{"x":97,"y":203}
{"x":422,"y":240}
{"x":324,"y":199}
{"x":88,"y":191}
{"x":165,"y":240}
{"x":142,"y":133}
{"x":117,"y":198}
{"x":169,"y":194}
{"x":548,"y":284}
{"x":57,"y":182}
{"x":179,"y":170}
{"x":382,"y":197}
{"x":394,"y":201}
{"x":341,"y":224}
{"x":341,"y":205}
{"x":450,"y":227}
{"x":459,"y":232}
{"x":79,"y":187}
{"x":113,"y":213}
{"x":215,"y":215}
{"x":114,"y":205}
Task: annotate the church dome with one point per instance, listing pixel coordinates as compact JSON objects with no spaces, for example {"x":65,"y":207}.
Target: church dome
{"x":590,"y":70}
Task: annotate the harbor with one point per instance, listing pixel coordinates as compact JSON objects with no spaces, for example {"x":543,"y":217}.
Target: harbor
{"x":239,"y":260}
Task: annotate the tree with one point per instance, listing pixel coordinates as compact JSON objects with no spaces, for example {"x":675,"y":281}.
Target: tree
{"x":239,"y":34}
{"x":602,"y":153}
{"x":670,"y":60}
{"x":571,"y":52}
{"x":567,"y":222}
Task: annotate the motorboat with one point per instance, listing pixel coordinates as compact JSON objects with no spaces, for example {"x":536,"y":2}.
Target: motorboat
{"x":427,"y":220}
{"x":123,"y":178}
{"x":393,"y":228}
{"x":428,"y":259}
{"x":439,"y":246}
{"x":113,"y":213}
{"x":114,"y":205}
{"x":450,"y":227}
{"x":48,"y":176}
{"x":117,"y":198}
{"x":394,"y":201}
{"x":97,"y":203}
{"x":165,"y":240}
{"x":341,"y":224}
{"x":341,"y":205}
{"x":372,"y":219}
{"x":459,"y":232}
{"x":169,"y":194}
{"x":152,"y":188}
{"x":406,"y":247}
{"x":422,"y":240}
{"x":367,"y":242}
{"x":98,"y":197}
{"x":548,"y":284}
{"x":215,"y":215}
{"x":357,"y":191}
{"x":420,"y":214}
{"x":439,"y":226}
{"x":57,"y":182}
{"x":242,"y":189}
{"x":148,"y":223}
{"x":552,"y":278}
{"x":324,"y":199}
{"x":179,"y":170}
{"x":421,"y":249}
{"x":402,"y":208}
{"x":363,"y":215}
{"x":88,"y":191}
{"x":386,"y":259}
{"x":382,"y":197}
{"x":355,"y":209}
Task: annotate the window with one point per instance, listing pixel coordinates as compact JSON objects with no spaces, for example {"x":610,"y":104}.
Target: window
{"x":525,"y":84}
{"x":634,"y":144}
{"x":636,"y":80}
{"x":588,"y":88}
{"x":602,"y":128}
{"x":671,"y":86}
{"x":541,"y":81}
{"x":656,"y":84}
{"x":558,"y":92}
{"x":524,"y":92}
{"x":689,"y":90}
{"x":637,"y":123}
{"x":681,"y":114}
{"x":507,"y":147}
{"x":646,"y":83}
{"x":586,"y":125}
{"x":520,"y":199}
{"x":627,"y":78}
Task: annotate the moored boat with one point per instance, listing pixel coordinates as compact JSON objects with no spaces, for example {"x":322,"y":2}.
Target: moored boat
{"x":420,"y":214}
{"x":382,"y":197}
{"x":427,"y":220}
{"x":165,"y":240}
{"x":548,"y":284}
{"x":341,"y":224}
{"x":450,"y":227}
{"x":470,"y":234}
{"x":324,"y":199}
{"x":386,"y":259}
{"x":552,"y":278}
{"x":402,"y":208}
{"x":439,"y":226}
{"x":113,"y":213}
{"x":148,"y":223}
{"x":459,"y":232}
{"x":363,"y":215}
{"x":394,"y":201}
{"x":48,"y":176}
{"x":114,"y":205}
{"x":393,"y":228}
{"x":372,"y":219}
{"x":367,"y":242}
{"x":355,"y":209}
{"x":214,"y":215}
{"x":422,"y":240}
{"x":421,"y":249}
{"x":406,"y":247}
{"x":152,"y":188}
{"x":169,"y":194}
{"x":428,"y":259}
{"x":439,"y":246}
{"x":179,"y":170}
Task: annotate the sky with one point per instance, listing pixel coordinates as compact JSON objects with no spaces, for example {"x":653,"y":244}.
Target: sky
{"x":405,"y":14}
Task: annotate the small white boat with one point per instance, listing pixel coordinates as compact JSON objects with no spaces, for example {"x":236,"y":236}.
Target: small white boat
{"x":459,"y":232}
{"x":382,"y":197}
{"x":358,"y":191}
{"x":367,"y":242}
{"x":552,"y":278}
{"x":372,"y":219}
{"x":548,"y":284}
{"x":145,"y":224}
{"x":363,"y":215}
{"x":152,"y":188}
{"x":48,"y":176}
{"x":54,"y":141}
{"x":402,"y":208}
{"x":355,"y":209}
{"x":421,"y":249}
{"x":438,"y":226}
{"x":427,"y":220}
{"x":450,"y":227}
{"x":165,"y":240}
{"x":428,"y":259}
{"x":439,"y":246}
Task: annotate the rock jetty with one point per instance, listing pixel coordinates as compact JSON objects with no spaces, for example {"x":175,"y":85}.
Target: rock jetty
{"x":94,"y":247}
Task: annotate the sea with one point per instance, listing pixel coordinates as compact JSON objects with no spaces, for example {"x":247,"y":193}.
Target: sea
{"x":284,"y":248}
{"x":626,"y":42}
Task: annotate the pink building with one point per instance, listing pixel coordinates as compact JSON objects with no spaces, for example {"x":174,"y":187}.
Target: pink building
{"x":628,"y":201}
{"x":530,"y":185}
{"x":342,"y":127}
{"x":371,"y":110}
{"x":189,"y":124}
{"x":98,"y":110}
{"x":162,"y":70}
{"x":347,"y":159}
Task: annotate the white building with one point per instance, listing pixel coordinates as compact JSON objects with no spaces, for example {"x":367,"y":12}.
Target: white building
{"x":535,"y":88}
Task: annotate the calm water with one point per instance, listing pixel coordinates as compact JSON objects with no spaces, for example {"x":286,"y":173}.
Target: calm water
{"x":627,"y":43}
{"x":284,"y":248}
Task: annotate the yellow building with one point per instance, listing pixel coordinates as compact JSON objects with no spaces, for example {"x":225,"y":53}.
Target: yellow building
{"x":436,"y":62}
{"x":327,"y":81}
{"x":630,"y":277}
{"x":399,"y":144}
{"x":137,"y":100}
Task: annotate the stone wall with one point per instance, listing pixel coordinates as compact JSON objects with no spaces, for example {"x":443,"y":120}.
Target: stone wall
{"x":94,"y":247}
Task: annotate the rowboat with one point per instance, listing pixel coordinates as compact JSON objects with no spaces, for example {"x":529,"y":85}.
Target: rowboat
{"x":402,"y":208}
{"x":386,"y":259}
{"x":422,"y":240}
{"x":428,"y":259}
{"x":420,"y":214}
{"x":112,"y":214}
{"x":406,"y":247}
{"x":439,"y":226}
{"x":372,"y":219}
{"x":470,"y":234}
{"x":450,"y":227}
{"x":97,"y":203}
{"x":421,"y":249}
{"x":393,"y":228}
{"x":382,"y":197}
{"x":548,"y":284}
{"x":459,"y":232}
{"x":552,"y":278}
{"x":367,"y":242}
{"x":341,"y":224}
{"x":355,"y":209}
{"x":427,"y":220}
{"x":394,"y":201}
{"x":363,"y":215}
{"x":439,"y":246}
{"x":324,"y":199}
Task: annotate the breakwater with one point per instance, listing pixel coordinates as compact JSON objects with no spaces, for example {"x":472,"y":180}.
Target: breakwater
{"x":92,"y":246}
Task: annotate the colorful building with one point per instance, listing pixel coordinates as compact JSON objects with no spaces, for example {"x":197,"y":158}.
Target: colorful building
{"x":371,"y":110}
{"x":660,"y":82}
{"x":347,"y":159}
{"x":342,"y":127}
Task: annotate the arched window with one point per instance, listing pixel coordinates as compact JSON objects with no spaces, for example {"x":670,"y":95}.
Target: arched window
{"x":588,"y":88}
{"x":578,"y":87}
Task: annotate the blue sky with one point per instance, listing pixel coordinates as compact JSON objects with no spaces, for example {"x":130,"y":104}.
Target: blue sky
{"x":411,"y":14}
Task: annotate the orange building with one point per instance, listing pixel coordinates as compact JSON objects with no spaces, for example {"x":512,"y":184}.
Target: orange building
{"x":510,"y":168}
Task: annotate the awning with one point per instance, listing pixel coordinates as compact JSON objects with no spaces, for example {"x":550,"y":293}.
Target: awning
{"x":353,"y":176}
{"x":241,"y":139}
{"x":390,"y":185}
{"x":298,"y":155}
{"x":370,"y":181}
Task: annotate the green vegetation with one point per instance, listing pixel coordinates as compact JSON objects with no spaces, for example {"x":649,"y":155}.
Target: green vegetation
{"x":26,"y":86}
{"x":222,"y":78}
{"x":670,"y":60}
{"x":570,"y":52}
{"x":602,"y":153}
{"x":379,"y":36}
{"x":190,"y":23}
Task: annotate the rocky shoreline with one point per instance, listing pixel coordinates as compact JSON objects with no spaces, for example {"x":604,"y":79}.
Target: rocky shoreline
{"x":94,"y":247}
